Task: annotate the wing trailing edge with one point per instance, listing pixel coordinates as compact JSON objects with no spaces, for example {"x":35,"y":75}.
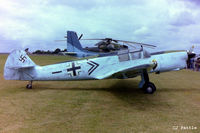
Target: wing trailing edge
{"x":121,"y":72}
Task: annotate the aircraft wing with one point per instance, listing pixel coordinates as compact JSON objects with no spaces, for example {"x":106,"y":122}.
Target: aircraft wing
{"x":124,"y":71}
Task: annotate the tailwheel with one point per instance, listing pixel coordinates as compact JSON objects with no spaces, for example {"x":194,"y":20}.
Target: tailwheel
{"x":149,"y":88}
{"x":29,"y":85}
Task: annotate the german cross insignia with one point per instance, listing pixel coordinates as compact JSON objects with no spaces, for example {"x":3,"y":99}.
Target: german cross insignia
{"x":73,"y":69}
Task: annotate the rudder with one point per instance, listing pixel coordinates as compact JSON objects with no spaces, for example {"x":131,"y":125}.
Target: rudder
{"x":72,"y":42}
{"x":16,"y":61}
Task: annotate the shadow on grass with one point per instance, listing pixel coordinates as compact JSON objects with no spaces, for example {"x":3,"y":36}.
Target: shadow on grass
{"x":125,"y":90}
{"x":129,"y":92}
{"x":92,"y":85}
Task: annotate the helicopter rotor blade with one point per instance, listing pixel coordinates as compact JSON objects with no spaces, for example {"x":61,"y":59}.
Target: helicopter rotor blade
{"x":144,"y":44}
{"x":60,"y":40}
{"x":115,"y":41}
{"x":130,"y":45}
{"x":80,"y":36}
{"x":93,"y":39}
{"x":97,"y":44}
{"x":130,"y":42}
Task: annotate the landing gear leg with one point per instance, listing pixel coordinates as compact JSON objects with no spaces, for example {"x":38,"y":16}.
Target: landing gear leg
{"x":29,"y":85}
{"x":145,"y":84}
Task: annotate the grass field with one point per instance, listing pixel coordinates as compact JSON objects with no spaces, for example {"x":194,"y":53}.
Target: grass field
{"x":108,"y":106}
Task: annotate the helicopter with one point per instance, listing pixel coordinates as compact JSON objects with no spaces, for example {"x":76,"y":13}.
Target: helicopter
{"x":106,"y":46}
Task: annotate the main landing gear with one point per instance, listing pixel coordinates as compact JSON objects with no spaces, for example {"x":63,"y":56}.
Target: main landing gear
{"x":145,"y":84}
{"x":29,"y":85}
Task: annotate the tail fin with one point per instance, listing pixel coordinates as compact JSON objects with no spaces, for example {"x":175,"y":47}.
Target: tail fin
{"x":17,"y":61}
{"x":73,"y":44}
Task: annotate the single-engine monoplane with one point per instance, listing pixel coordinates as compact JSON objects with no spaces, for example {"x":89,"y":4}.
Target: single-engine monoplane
{"x":125,"y":64}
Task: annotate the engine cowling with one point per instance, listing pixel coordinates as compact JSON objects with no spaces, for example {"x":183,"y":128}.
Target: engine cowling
{"x":170,"y":61}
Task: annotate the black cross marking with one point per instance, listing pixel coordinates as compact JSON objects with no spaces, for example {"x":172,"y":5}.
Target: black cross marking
{"x":74,"y":69}
{"x":22,"y":58}
{"x":93,"y":65}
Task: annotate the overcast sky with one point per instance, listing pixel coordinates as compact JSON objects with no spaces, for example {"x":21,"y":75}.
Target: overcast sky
{"x":169,"y":24}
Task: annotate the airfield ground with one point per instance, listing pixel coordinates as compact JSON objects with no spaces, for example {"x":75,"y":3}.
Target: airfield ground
{"x":110,"y":106}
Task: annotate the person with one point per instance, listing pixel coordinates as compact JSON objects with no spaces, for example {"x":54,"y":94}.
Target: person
{"x":191,"y":63}
{"x":197,"y":64}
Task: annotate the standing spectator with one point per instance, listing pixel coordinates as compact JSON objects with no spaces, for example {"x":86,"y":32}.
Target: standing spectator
{"x":191,"y":63}
{"x":197,"y":64}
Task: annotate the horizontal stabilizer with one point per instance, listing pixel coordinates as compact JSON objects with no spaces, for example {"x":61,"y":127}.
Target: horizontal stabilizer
{"x":21,"y":67}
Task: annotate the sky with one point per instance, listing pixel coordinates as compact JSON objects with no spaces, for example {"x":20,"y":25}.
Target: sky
{"x":168,"y":24}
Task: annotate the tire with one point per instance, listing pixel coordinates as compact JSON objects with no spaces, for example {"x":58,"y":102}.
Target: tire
{"x":149,"y":88}
{"x":28,"y":86}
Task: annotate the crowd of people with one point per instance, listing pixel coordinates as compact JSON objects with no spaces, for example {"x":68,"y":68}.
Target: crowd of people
{"x":194,"y":64}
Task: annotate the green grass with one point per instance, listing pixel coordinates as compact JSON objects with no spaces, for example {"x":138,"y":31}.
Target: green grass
{"x":108,"y":106}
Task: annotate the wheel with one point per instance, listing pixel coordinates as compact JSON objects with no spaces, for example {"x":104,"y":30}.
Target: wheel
{"x":28,"y":86}
{"x":149,"y":88}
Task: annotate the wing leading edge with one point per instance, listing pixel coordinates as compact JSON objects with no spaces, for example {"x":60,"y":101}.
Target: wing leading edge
{"x":124,"y":72}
